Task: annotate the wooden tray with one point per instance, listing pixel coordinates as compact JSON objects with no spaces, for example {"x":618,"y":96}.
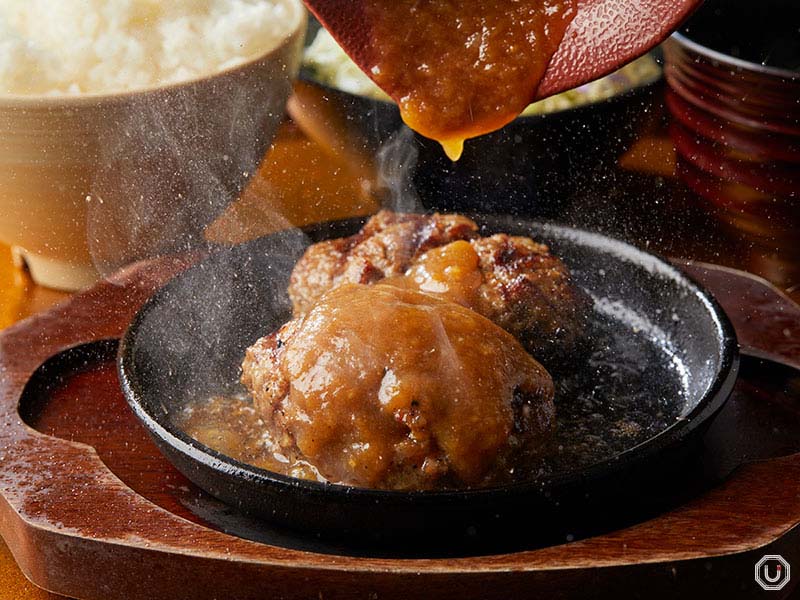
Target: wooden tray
{"x":91,"y":510}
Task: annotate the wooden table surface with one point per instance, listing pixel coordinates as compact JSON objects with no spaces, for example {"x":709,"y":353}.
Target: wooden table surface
{"x":304,"y":182}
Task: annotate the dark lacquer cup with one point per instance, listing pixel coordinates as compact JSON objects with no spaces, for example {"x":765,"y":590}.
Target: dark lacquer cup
{"x":734,"y":94}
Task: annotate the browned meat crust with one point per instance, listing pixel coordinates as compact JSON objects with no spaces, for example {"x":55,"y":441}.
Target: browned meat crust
{"x":385,"y":247}
{"x":521,"y":286}
{"x":529,"y":292}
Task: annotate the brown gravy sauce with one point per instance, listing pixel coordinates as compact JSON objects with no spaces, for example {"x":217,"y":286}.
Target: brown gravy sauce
{"x":469,"y":67}
{"x":231,"y":426}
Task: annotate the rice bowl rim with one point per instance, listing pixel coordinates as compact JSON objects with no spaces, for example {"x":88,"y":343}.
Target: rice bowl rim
{"x":32,"y":101}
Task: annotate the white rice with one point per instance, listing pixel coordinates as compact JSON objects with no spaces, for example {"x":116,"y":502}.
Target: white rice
{"x":100,"y":46}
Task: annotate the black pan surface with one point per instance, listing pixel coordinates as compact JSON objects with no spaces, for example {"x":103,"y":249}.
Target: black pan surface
{"x":661,"y":361}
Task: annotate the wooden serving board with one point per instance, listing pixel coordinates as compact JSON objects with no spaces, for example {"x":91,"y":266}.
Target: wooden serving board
{"x":90,"y":509}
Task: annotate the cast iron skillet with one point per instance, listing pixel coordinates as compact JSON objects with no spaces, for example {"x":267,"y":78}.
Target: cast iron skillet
{"x":661,"y":362}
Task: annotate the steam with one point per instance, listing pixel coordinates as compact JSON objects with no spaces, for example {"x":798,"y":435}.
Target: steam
{"x":169,"y":168}
{"x":397,"y":160}
{"x":170,"y":161}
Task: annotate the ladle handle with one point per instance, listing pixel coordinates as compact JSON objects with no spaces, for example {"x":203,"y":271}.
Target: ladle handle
{"x":766,"y":320}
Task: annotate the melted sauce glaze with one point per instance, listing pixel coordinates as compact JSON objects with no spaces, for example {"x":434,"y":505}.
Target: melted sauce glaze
{"x":451,"y":271}
{"x":628,"y":390}
{"x":388,"y":388}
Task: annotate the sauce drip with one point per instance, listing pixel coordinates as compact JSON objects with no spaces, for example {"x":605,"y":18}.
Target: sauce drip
{"x":451,"y":272}
{"x":460,"y":69}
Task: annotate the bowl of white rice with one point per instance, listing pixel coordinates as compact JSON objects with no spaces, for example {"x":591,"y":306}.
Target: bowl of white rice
{"x":127,"y":125}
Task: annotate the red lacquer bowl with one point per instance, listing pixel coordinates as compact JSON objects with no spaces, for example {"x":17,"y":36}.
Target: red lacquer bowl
{"x":736,"y":122}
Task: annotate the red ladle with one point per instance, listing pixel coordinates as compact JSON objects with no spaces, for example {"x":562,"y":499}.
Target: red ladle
{"x":603,"y":36}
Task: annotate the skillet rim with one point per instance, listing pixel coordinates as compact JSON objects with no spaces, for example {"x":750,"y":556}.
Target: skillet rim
{"x":706,"y":408}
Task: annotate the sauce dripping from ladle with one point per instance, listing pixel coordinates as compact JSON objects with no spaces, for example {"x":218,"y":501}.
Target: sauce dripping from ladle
{"x":459,"y":69}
